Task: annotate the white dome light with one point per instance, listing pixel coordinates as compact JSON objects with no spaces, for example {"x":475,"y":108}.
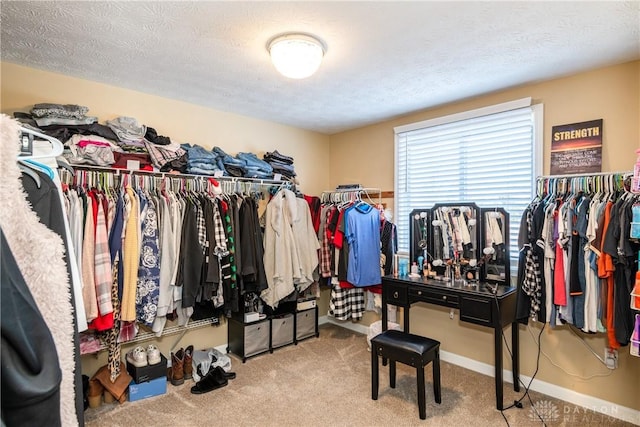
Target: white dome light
{"x":296,"y":56}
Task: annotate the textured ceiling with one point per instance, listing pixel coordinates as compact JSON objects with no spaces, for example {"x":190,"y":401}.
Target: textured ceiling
{"x":384,"y":59}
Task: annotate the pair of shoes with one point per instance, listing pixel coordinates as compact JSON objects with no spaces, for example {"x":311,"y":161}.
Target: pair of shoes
{"x":140,"y":357}
{"x":215,"y":378}
{"x":181,"y":366}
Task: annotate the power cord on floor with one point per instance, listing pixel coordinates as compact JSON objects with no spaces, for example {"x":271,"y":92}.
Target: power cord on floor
{"x":518,"y":403}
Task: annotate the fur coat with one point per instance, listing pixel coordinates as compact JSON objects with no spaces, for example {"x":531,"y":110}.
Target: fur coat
{"x":39,"y":253}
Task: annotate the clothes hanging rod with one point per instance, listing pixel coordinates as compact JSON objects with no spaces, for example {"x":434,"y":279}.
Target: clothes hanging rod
{"x":119,"y":172}
{"x":353,"y":190}
{"x":582,"y":175}
{"x":367,"y":191}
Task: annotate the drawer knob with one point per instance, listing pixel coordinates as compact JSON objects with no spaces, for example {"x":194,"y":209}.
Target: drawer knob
{"x":395,"y":294}
{"x":444,"y":297}
{"x":419,"y":292}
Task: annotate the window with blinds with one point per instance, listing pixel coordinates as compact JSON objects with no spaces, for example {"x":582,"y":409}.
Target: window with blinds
{"x":488,"y":156}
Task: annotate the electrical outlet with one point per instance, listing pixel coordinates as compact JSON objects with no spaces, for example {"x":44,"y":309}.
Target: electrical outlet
{"x":451,"y":314}
{"x":610,"y":358}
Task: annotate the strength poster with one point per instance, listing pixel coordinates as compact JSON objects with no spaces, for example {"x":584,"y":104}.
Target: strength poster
{"x":576,"y":148}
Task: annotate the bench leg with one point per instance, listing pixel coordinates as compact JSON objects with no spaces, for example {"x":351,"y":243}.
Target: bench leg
{"x":421,"y":392}
{"x":374,"y":374}
{"x":436,"y":378}
{"x":392,"y":373}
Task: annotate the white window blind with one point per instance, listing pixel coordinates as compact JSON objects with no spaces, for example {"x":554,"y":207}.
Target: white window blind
{"x":489,"y":159}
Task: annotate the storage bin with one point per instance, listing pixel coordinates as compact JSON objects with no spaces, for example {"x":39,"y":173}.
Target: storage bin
{"x":256,"y":338}
{"x":306,"y":323}
{"x":248,"y":339}
{"x":281,"y":330}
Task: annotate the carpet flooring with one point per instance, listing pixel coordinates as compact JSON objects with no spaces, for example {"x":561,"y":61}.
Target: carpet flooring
{"x":326,"y":381}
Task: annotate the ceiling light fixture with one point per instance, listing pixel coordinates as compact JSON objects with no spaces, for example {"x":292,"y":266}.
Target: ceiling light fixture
{"x":296,"y":56}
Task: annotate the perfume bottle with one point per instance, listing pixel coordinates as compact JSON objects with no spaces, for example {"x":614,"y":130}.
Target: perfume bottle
{"x":414,"y":268}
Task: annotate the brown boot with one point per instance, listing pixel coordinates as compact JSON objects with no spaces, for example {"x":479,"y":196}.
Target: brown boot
{"x":95,"y":393}
{"x":188,"y":358}
{"x":177,"y":367}
{"x":108,"y":397}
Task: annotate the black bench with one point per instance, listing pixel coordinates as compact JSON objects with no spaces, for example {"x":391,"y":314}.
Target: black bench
{"x":410,"y":349}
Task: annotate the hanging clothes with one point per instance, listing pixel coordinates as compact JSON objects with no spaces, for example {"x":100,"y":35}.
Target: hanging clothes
{"x":589,"y":256}
{"x":148,"y":286}
{"x":183,"y":250}
{"x":291,"y":245}
{"x":342,"y":238}
{"x":363,"y":235}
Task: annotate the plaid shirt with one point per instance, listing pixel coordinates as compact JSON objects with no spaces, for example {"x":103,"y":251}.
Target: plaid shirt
{"x":102,"y":257}
{"x":220,"y":237}
{"x":325,"y":248}
{"x":532,"y":281}
{"x":161,"y":155}
{"x":200,"y":224}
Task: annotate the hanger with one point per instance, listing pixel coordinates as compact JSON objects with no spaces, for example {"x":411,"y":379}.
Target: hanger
{"x":38,"y":166}
{"x":57,"y":147}
{"x":24,"y":168}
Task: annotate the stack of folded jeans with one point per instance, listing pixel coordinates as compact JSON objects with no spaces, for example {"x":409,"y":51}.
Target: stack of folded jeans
{"x":201,"y":161}
{"x":232,"y":165}
{"x":254,"y":167}
{"x":280,"y":163}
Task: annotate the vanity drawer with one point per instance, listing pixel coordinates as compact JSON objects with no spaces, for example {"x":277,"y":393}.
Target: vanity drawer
{"x":476,"y":310}
{"x":435,"y":296}
{"x":395,"y":295}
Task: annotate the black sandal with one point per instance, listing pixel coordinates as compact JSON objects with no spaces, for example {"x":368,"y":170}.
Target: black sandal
{"x":213,"y":380}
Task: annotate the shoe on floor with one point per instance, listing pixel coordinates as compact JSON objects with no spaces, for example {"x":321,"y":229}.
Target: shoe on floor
{"x":213,"y":380}
{"x":137,"y":357}
{"x":153,"y":355}
{"x":177,"y":367}
{"x":227,"y":375}
{"x":188,"y":362}
{"x":95,"y":393}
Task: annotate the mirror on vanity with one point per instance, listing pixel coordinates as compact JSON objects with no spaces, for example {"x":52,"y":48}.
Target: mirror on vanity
{"x":461,"y":244}
{"x":445,"y":242}
{"x":495,"y":265}
{"x":455,"y":241}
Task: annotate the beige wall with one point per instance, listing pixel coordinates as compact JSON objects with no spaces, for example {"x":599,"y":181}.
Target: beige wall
{"x":22,"y":87}
{"x":612,"y":94}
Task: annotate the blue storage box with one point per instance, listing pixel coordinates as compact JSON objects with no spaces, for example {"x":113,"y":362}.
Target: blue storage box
{"x":151,"y":388}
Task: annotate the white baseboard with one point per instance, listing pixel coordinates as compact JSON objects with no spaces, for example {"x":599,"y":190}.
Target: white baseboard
{"x":590,"y":403}
{"x":357,"y":327}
